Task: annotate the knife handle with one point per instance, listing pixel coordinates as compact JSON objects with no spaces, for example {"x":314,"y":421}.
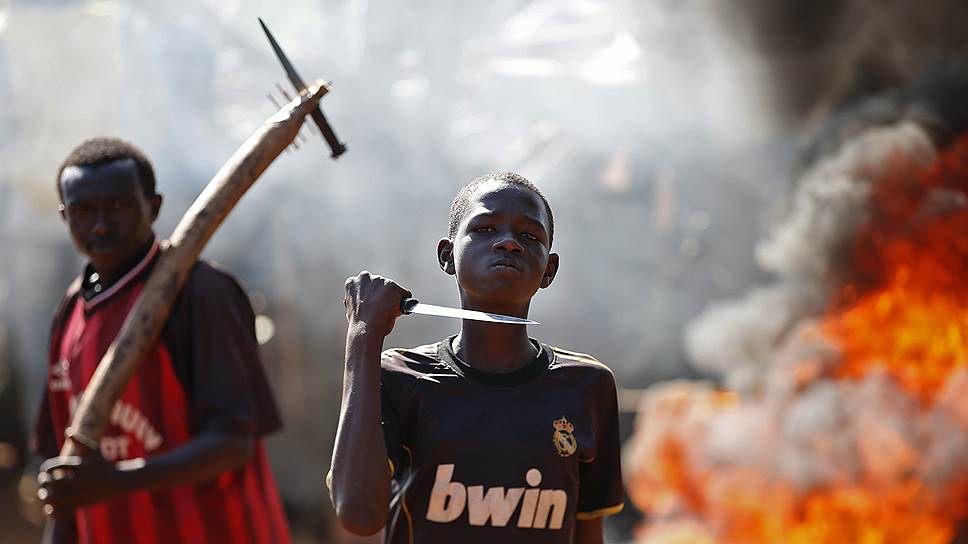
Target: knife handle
{"x":407,"y":304}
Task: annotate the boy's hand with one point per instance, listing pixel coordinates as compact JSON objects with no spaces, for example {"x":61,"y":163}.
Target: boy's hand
{"x":68,"y":482}
{"x":373,"y":302}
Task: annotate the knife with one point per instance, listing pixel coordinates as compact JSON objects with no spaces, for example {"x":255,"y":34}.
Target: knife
{"x":413,"y":306}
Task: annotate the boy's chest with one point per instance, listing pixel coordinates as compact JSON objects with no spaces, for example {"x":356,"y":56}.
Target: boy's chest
{"x":493,"y":457}
{"x":534,"y":422}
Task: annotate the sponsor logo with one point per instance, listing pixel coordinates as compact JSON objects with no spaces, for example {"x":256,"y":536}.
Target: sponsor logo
{"x":131,"y":421}
{"x":115,"y":447}
{"x":564,"y":441}
{"x":539,"y":508}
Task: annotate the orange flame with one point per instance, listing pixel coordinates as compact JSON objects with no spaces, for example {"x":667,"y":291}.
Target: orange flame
{"x":899,"y":327}
{"x":907,"y":312}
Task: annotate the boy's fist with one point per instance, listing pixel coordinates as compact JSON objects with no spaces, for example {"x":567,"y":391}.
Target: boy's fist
{"x":373,"y":302}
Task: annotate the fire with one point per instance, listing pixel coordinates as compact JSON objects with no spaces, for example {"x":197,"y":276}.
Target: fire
{"x":918,"y":338}
{"x":860,"y":431}
{"x":909,"y":315}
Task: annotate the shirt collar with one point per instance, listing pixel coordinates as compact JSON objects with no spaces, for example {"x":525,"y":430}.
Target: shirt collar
{"x":92,"y":297}
{"x":539,"y":364}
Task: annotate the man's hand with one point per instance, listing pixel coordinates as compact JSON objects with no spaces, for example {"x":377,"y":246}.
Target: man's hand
{"x":373,"y":302}
{"x":69,"y":482}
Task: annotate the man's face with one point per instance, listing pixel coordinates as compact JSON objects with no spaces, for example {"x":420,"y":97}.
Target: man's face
{"x":501,"y":251}
{"x":107,"y":212}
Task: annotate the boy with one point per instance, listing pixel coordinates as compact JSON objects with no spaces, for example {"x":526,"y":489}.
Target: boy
{"x":491,"y":436}
{"x":182,"y":457}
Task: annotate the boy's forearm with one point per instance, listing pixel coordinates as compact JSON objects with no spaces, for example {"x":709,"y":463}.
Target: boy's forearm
{"x":360,"y":473}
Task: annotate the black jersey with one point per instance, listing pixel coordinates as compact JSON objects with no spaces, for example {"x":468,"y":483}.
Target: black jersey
{"x":482,"y":457}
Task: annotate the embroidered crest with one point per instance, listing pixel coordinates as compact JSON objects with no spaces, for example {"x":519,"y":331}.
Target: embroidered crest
{"x":564,"y":441}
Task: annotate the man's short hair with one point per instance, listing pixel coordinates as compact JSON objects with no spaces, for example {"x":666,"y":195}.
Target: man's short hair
{"x":97,"y":151}
{"x":462,"y":201}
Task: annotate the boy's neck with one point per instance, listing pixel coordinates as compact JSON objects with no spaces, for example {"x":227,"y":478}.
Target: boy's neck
{"x":494,"y":347}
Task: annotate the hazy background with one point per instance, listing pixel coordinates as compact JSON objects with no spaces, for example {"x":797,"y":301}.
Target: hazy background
{"x":666,"y":134}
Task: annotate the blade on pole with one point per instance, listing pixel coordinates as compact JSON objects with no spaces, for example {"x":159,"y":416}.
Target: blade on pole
{"x":286,"y":65}
{"x":335,"y":145}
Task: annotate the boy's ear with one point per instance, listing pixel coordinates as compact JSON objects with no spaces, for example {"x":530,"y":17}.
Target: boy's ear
{"x":550,"y":270}
{"x":445,"y":256}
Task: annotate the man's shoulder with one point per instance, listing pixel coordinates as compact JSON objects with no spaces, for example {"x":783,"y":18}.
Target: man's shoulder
{"x":208,"y":289}
{"x":72,"y":292}
{"x":205,"y":273}
{"x":66,"y":302}
{"x":209,"y":282}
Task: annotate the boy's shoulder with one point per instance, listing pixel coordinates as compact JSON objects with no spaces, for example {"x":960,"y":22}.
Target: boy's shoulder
{"x":565,"y":358}
{"x":407,"y":365}
{"x":582,"y":370}
{"x":416,"y":361}
{"x":427,"y":358}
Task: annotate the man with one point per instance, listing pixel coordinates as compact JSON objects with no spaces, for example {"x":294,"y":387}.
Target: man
{"x":182,"y":459}
{"x":491,"y":436}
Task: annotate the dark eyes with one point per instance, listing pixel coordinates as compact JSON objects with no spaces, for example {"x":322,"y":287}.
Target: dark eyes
{"x":488,"y":228}
{"x":79,"y":210}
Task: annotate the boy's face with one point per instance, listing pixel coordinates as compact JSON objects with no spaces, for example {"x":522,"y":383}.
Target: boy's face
{"x":501,"y":252}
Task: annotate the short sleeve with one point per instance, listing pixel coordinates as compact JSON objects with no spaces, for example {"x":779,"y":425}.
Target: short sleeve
{"x":43,"y":438}
{"x":600,"y":491}
{"x":212,"y":332}
{"x":396,"y":406}
{"x":391,"y":431}
{"x":43,"y":442}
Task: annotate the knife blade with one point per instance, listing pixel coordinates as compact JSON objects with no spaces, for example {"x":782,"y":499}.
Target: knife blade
{"x":413,"y":306}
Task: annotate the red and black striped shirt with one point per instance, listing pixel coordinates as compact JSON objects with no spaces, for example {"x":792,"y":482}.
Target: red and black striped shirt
{"x":202,"y":374}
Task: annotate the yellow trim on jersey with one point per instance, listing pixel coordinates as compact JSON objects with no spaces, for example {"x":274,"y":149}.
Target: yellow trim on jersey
{"x":403,"y":501}
{"x":601,"y":512}
{"x":393,"y":468}
{"x":406,"y":512}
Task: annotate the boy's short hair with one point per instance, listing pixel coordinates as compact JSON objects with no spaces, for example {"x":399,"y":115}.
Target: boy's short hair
{"x":97,"y":151}
{"x":462,"y":201}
